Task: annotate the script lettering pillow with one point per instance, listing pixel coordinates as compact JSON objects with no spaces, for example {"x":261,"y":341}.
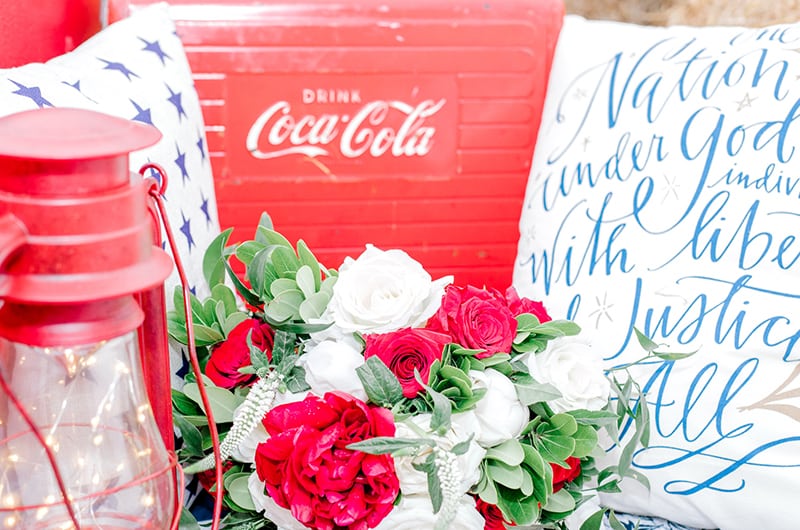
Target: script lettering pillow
{"x":137,"y":69}
{"x":665,"y":196}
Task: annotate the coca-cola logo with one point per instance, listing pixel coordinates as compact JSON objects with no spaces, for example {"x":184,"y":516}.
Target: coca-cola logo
{"x":377,"y":128}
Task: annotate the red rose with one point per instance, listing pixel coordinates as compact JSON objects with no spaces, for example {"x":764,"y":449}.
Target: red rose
{"x":519,"y":305}
{"x":476,"y":319}
{"x":563,"y":475}
{"x":208,"y":478}
{"x":227,"y":357}
{"x":492,"y":516}
{"x":404,"y":351}
{"x":307,"y":468}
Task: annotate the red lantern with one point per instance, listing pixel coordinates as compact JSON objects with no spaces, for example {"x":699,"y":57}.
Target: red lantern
{"x":79,"y":444}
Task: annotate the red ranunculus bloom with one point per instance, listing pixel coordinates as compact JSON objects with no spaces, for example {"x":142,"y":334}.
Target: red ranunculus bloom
{"x":306,"y":467}
{"x":404,"y":351}
{"x":519,"y":305}
{"x":227,"y":357}
{"x":562,"y":475}
{"x":476,"y":319}
{"x":492,"y":516}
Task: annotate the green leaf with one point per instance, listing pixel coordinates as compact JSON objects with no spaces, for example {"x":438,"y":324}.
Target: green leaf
{"x":673,"y":356}
{"x":214,"y":258}
{"x":556,"y":448}
{"x":187,"y":520}
{"x":257,"y":357}
{"x":613,"y":522}
{"x":522,"y":509}
{"x":434,"y":489}
{"x":644,"y":341}
{"x":206,"y":336}
{"x":585,"y":441}
{"x":508,"y":476}
{"x":563,"y":424}
{"x":285,"y":306}
{"x":307,"y":258}
{"x":192,"y":439}
{"x":558,"y":328}
{"x":442,"y":410}
{"x":509,"y":452}
{"x":313,"y":307}
{"x":249,"y":296}
{"x":284,"y":262}
{"x":560,"y":502}
{"x":305,"y":281}
{"x":232,"y":321}
{"x":223,"y":402}
{"x":239,"y":492}
{"x":269,"y":236}
{"x":282,"y":285}
{"x":246,"y":250}
{"x":383,"y":445}
{"x":529,"y":391}
{"x":380,"y":384}
{"x":534,"y":460}
{"x":595,"y":521}
{"x":182,"y":404}
{"x":223,"y":293}
{"x":283,"y":345}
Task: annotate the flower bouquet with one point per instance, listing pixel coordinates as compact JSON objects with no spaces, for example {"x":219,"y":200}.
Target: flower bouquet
{"x":373,"y":396}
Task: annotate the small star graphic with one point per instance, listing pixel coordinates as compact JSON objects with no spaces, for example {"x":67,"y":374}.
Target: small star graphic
{"x":155,"y":48}
{"x":201,"y":146}
{"x":77,"y":86}
{"x":119,"y":67}
{"x":204,"y":208}
{"x":671,"y":188}
{"x":33,"y":93}
{"x":745,"y":102}
{"x":602,"y":310}
{"x":175,"y":99}
{"x":580,"y":93}
{"x":143,"y":115}
{"x":193,"y":289}
{"x":586,"y":142}
{"x":186,"y":229}
{"x":180,"y":161}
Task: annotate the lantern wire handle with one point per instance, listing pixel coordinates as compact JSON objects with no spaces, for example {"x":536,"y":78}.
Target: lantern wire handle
{"x":48,"y":451}
{"x":156,"y":191}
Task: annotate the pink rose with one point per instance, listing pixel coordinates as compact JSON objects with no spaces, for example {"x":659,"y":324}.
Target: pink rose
{"x":306,"y":467}
{"x":405,"y":350}
{"x":519,"y":305}
{"x":476,"y":319}
{"x":227,"y":357}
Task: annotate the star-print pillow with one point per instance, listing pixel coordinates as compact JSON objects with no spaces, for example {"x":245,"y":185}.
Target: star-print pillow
{"x":664,"y":196}
{"x":137,"y":69}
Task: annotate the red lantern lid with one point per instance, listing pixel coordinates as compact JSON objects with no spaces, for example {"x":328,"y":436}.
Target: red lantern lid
{"x":77,"y":218}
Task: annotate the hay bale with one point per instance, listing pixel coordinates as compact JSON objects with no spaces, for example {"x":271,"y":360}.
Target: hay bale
{"x":690,"y":12}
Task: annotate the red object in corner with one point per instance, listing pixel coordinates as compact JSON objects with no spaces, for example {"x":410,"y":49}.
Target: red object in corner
{"x":35,"y":31}
{"x":403,"y":123}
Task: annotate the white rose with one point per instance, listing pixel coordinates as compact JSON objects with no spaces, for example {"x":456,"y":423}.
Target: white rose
{"x":384,"y":291}
{"x":282,"y":517}
{"x":462,"y":425}
{"x":501,"y":414}
{"x":415,"y":512}
{"x":569,"y":364}
{"x":332,"y":366}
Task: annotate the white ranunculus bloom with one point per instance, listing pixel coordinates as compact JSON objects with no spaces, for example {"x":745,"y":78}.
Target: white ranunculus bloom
{"x":415,"y":512}
{"x":282,"y":517}
{"x":569,"y":364}
{"x":501,"y":414}
{"x":332,"y":366}
{"x":463,"y":424}
{"x":384,"y":291}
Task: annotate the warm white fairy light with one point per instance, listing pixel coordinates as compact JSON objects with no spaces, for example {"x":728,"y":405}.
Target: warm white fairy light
{"x":94,"y":422}
{"x":148,"y":500}
{"x":141,"y":413}
{"x":11,"y":500}
{"x":11,"y":521}
{"x":98,"y":439}
{"x":96,"y":479}
{"x":122,"y":368}
{"x":13,"y":457}
{"x":41,"y":513}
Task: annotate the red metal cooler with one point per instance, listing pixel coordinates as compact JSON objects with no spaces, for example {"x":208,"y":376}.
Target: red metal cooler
{"x":403,"y":123}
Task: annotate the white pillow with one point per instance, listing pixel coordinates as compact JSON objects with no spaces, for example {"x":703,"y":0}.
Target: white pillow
{"x":665,"y":194}
{"x":137,"y":69}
